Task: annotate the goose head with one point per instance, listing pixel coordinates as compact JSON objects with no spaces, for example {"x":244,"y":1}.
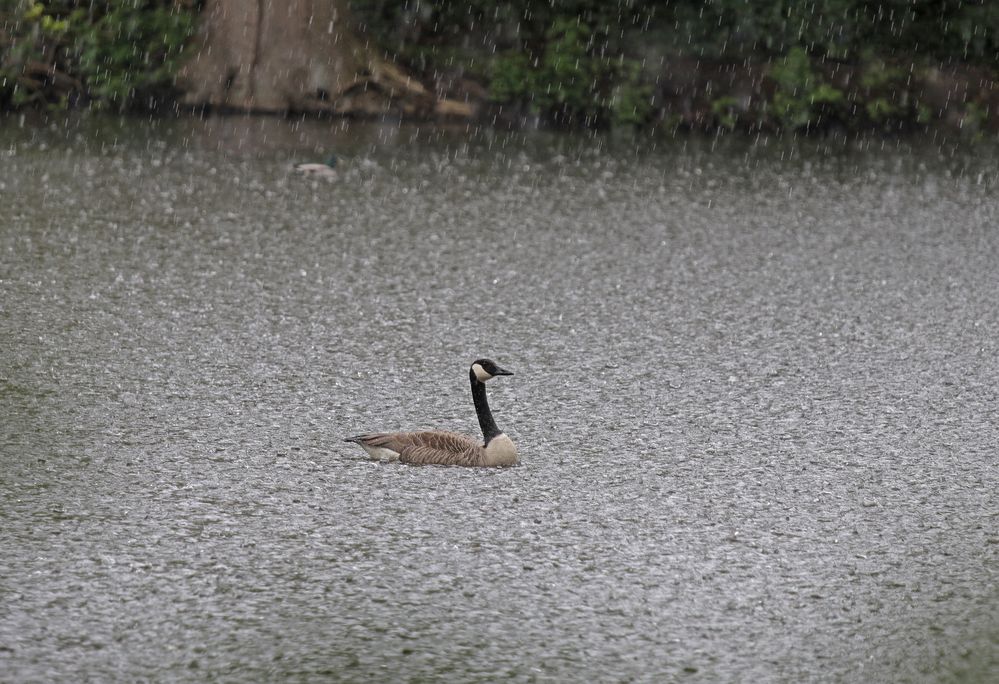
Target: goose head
{"x":486,"y":369}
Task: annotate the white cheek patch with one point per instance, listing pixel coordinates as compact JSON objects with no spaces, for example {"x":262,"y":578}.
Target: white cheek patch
{"x":480,"y":373}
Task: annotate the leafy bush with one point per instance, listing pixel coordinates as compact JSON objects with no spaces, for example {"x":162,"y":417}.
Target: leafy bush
{"x":802,"y":99}
{"x":884,"y":92}
{"x":835,"y":29}
{"x":724,"y":113}
{"x":572,"y":62}
{"x":118,"y":53}
{"x":566,"y":62}
{"x":568,"y":84}
{"x":131,"y":51}
{"x":577,"y":61}
{"x":631,"y":99}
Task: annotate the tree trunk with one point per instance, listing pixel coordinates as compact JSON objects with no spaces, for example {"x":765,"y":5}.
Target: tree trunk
{"x":294,"y":56}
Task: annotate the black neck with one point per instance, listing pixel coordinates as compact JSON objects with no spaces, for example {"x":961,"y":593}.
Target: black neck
{"x":486,"y":422}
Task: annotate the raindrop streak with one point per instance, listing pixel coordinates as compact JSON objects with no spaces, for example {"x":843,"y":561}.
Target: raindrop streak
{"x":754,"y":400}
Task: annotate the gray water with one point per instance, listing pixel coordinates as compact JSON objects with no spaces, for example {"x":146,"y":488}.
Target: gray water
{"x":754,"y":395}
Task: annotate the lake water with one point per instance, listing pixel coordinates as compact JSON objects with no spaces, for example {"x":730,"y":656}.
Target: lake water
{"x":755,"y":397}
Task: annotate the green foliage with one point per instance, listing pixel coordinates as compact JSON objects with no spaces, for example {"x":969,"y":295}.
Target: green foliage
{"x":117,"y":53}
{"x":631,"y":99}
{"x":924,"y":115}
{"x":579,"y":61}
{"x":885,"y":95}
{"x":802,"y":98}
{"x":881,"y":109}
{"x":973,"y":122}
{"x":510,"y":77}
{"x":566,"y":62}
{"x":131,"y":51}
{"x":569,"y":84}
{"x":723,"y":110}
{"x":572,"y":62}
{"x":568,"y":80}
{"x":836,"y":29}
{"x":878,"y":74}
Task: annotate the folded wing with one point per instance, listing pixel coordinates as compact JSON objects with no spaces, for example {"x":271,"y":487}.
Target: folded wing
{"x":442,"y":448}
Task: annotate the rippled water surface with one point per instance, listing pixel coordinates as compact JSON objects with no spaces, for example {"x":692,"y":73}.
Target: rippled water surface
{"x":755,"y":399}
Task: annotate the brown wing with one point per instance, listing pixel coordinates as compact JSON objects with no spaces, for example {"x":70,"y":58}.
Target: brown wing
{"x":442,"y":448}
{"x":396,"y":441}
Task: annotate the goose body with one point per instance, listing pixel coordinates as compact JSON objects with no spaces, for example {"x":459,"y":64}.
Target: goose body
{"x":324,"y":170}
{"x":450,"y":448}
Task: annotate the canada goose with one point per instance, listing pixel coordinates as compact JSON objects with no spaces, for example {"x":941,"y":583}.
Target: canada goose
{"x":325,"y":170}
{"x":450,"y":448}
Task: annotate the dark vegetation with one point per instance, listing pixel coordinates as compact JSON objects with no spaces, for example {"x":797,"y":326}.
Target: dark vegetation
{"x":712,"y":64}
{"x":111,"y":53}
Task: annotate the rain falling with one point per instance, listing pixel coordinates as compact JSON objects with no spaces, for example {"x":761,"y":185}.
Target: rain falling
{"x":533,"y":341}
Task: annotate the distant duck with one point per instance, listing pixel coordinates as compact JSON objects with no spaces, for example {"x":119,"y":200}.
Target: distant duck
{"x":325,"y":170}
{"x":450,"y":448}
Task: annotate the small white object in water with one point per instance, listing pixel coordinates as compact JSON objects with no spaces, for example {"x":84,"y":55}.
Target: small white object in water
{"x":325,"y":170}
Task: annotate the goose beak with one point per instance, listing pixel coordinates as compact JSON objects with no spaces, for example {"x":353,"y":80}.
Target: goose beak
{"x":500,"y":371}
